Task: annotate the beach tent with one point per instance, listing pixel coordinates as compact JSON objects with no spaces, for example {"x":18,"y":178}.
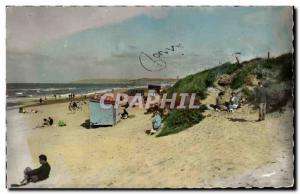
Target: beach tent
{"x":101,"y":116}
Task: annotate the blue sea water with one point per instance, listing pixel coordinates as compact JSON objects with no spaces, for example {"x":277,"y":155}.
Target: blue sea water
{"x":45,"y":89}
{"x":17,"y":91}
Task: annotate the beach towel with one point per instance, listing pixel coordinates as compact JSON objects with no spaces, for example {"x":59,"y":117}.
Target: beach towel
{"x":61,"y":123}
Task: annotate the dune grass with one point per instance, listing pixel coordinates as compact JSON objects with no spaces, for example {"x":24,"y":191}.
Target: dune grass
{"x":280,"y":68}
{"x":179,"y":120}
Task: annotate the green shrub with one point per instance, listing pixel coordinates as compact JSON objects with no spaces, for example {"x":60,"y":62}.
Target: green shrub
{"x":181,"y":119}
{"x":259,"y":75}
{"x":239,"y":80}
{"x":226,"y":68}
{"x":267,"y":64}
{"x":279,"y":94}
{"x":287,"y":68}
{"x":196,"y":83}
{"x":247,"y":92}
{"x":283,"y":63}
{"x":210,"y":79}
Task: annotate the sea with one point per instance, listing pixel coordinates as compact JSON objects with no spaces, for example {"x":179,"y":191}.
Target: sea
{"x":20,"y":91}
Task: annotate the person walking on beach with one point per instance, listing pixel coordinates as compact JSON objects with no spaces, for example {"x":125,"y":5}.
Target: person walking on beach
{"x":261,"y":95}
{"x":41,"y":100}
{"x":38,"y":174}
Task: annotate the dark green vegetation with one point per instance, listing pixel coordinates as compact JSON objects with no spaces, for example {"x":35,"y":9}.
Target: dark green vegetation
{"x":239,"y":80}
{"x":198,"y":83}
{"x":276,"y":73}
{"x":179,"y":120}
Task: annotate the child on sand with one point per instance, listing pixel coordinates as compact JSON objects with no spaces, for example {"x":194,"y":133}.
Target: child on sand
{"x":156,"y":123}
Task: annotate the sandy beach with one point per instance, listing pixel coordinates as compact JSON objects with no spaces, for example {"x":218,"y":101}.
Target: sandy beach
{"x":194,"y":75}
{"x":224,"y":150}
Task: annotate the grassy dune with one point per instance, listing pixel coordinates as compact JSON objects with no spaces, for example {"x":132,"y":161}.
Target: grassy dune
{"x":276,"y":73}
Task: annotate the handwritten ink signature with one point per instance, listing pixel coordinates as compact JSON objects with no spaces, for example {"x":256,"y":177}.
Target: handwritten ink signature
{"x":156,"y":62}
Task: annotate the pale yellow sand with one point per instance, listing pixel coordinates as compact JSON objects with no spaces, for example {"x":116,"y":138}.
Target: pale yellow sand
{"x":225,"y":149}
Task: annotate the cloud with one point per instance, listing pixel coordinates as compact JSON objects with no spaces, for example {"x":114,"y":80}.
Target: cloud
{"x":28,"y":27}
{"x":279,"y":20}
{"x":25,"y":67}
{"x":260,"y":17}
{"x":112,"y":50}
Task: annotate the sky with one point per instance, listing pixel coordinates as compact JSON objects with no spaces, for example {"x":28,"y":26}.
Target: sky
{"x":64,"y":44}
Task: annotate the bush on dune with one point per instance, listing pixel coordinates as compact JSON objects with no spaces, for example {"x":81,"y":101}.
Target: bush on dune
{"x":196,"y":83}
{"x":226,"y":68}
{"x":278,"y":95}
{"x":180,"y":119}
{"x":287,"y":67}
{"x":279,"y":69}
{"x":239,"y":80}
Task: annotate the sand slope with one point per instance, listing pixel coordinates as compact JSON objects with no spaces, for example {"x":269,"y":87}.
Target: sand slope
{"x":224,"y":150}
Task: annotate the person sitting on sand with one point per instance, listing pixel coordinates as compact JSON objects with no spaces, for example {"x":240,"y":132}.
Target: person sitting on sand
{"x":74,"y":105}
{"x":70,"y":106}
{"x":34,"y":111}
{"x":38,"y":174}
{"x":22,"y":110}
{"x":124,"y":115}
{"x":50,"y":121}
{"x":44,"y":124}
{"x":233,"y":102}
{"x":220,"y":102}
{"x":156,"y":122}
{"x":243,"y":100}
